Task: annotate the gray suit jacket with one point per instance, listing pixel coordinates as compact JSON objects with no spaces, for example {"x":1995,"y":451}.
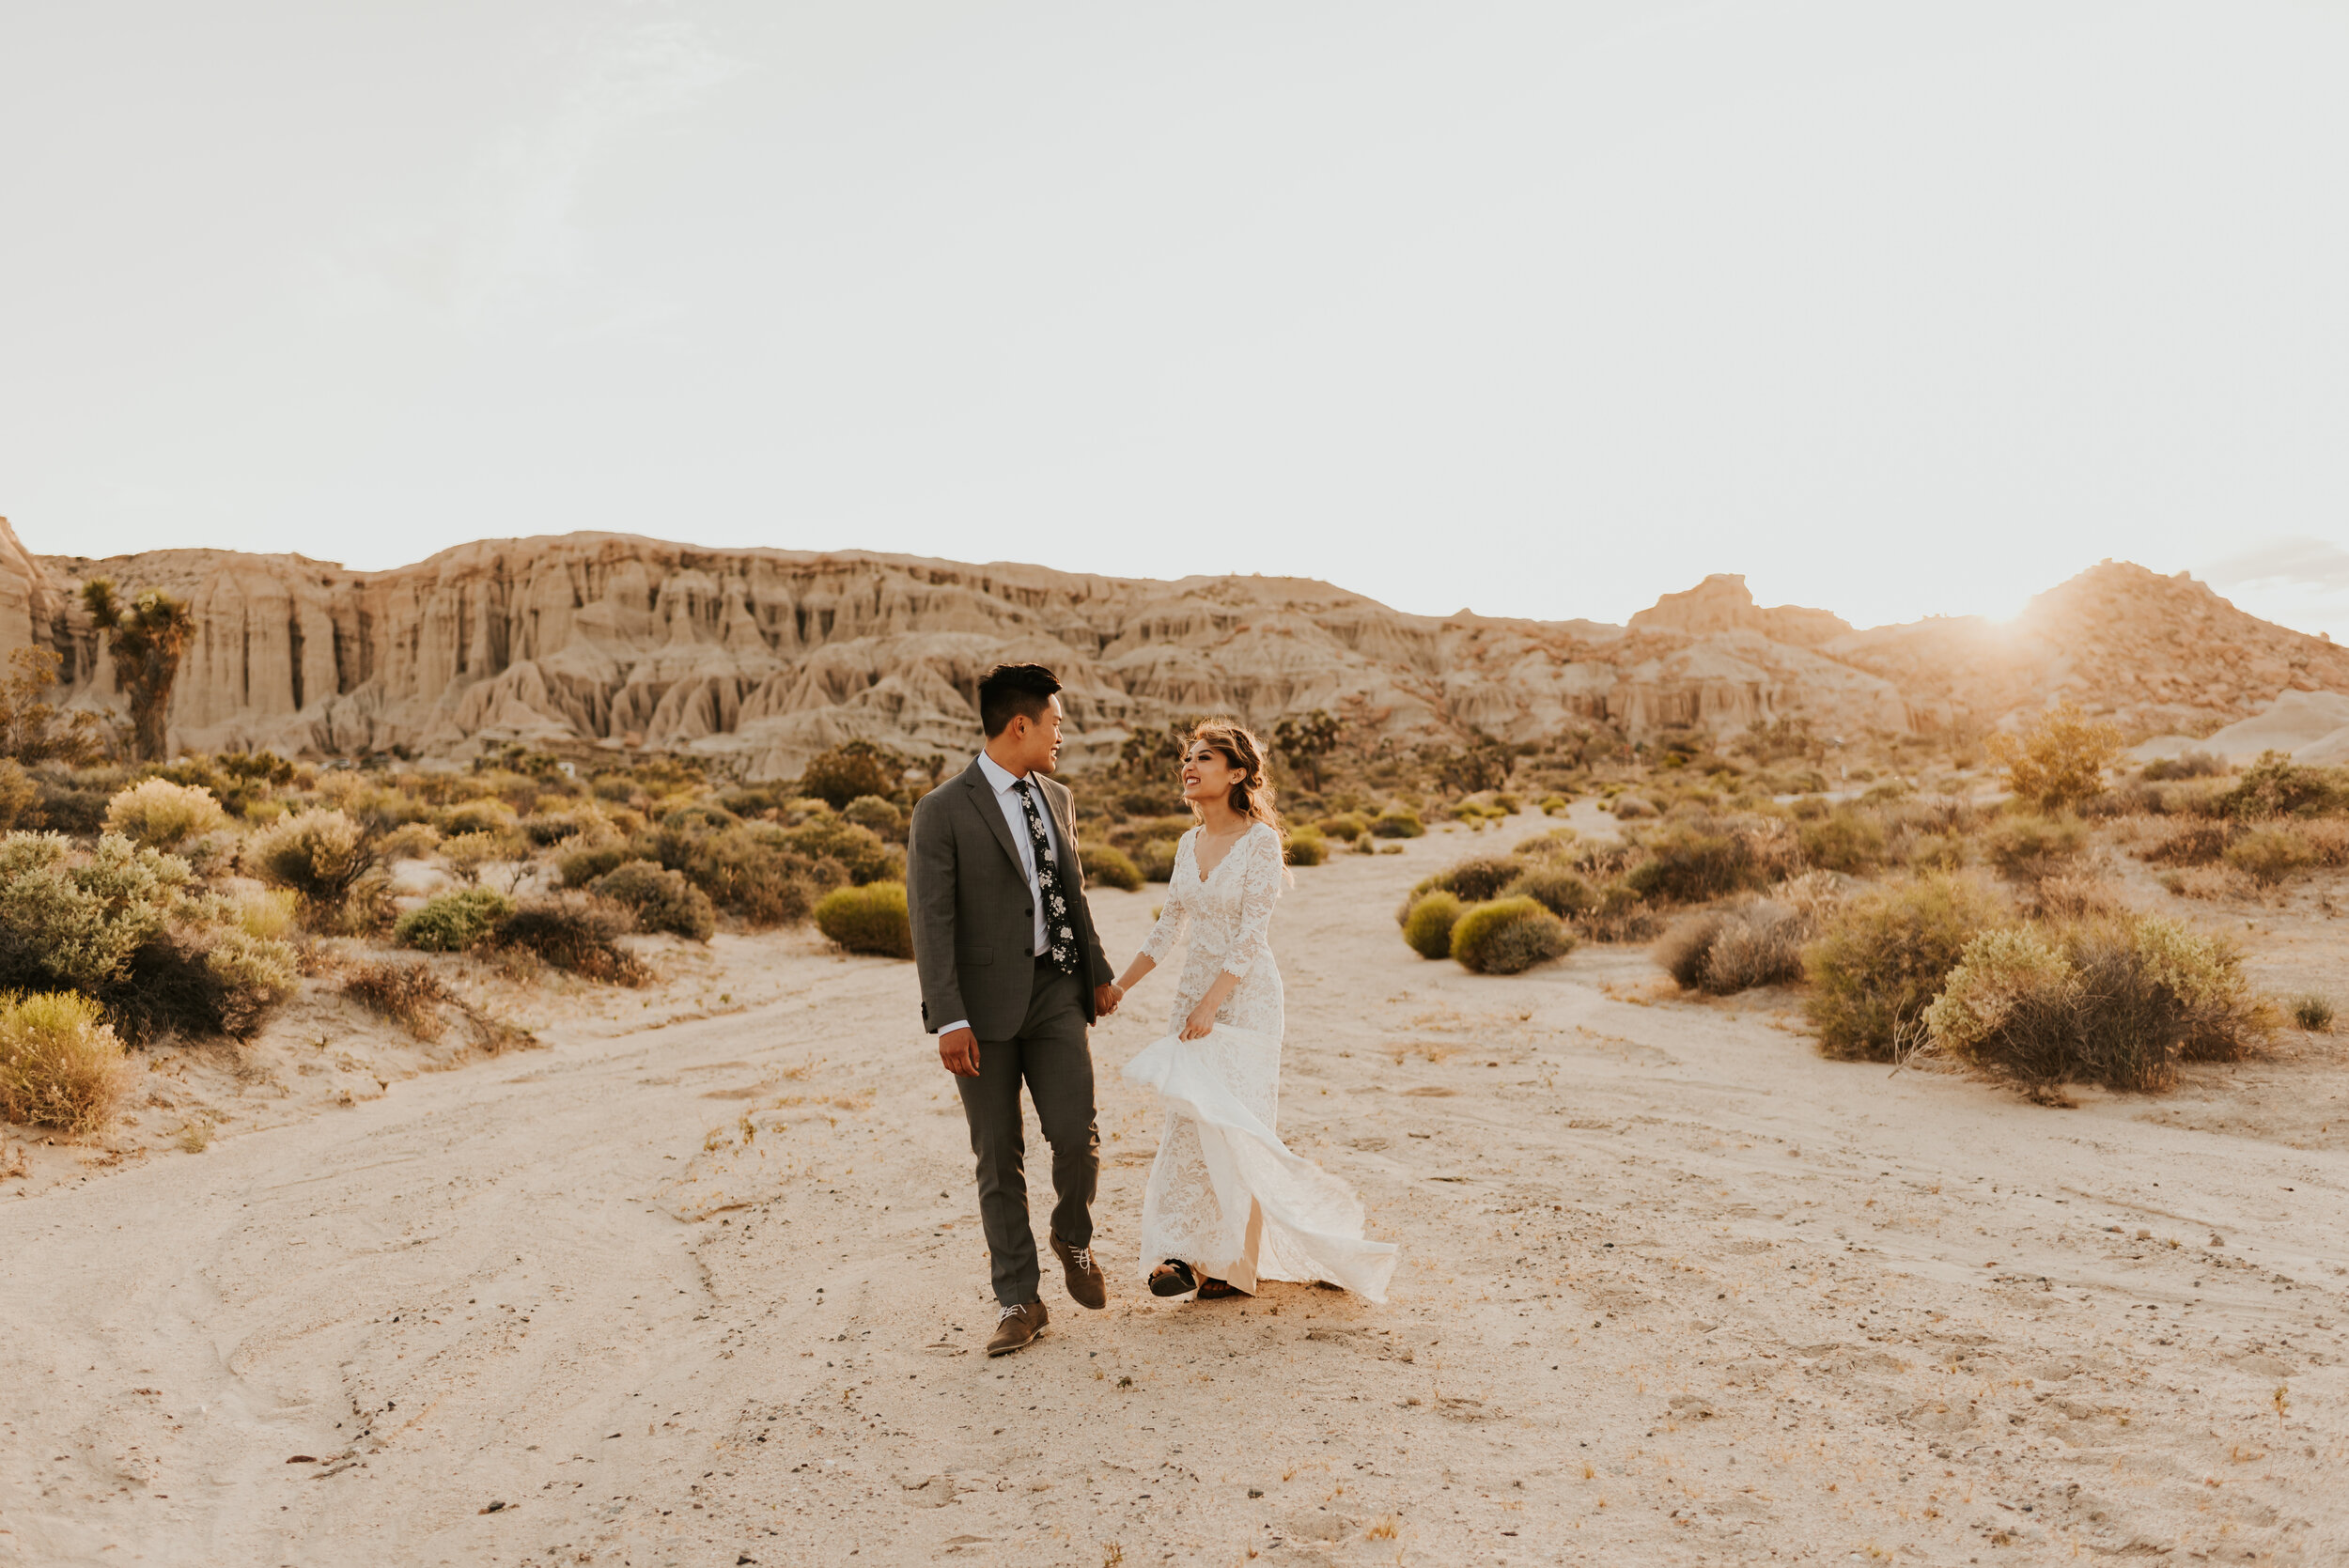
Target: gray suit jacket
{"x":973,"y":918}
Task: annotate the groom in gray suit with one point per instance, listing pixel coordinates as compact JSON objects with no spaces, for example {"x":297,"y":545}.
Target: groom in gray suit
{"x":1012,"y":974}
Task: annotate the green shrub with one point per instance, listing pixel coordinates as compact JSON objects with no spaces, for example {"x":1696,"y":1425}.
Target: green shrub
{"x":1108,"y":868}
{"x":1553,"y":804}
{"x":453,"y":921}
{"x":1844,"y":840}
{"x":60,"y":1064}
{"x":1427,"y":925}
{"x":159,"y":815}
{"x":75,"y":804}
{"x":2116,"y":1002}
{"x":860,"y":851}
{"x":870,"y":919}
{"x":1508,"y":936}
{"x":478,"y":817}
{"x":1561,"y":892}
{"x":2268,"y":855}
{"x":80,"y":917}
{"x":876,"y":816}
{"x":2026,"y":845}
{"x":320,"y":855}
{"x":1395,"y":822}
{"x":2277,"y":786}
{"x":842,"y":774}
{"x":1687,"y":864}
{"x":1350,"y":826}
{"x":20,"y":797}
{"x":1475,"y":879}
{"x":2312,"y":1013}
{"x":1156,"y":860}
{"x":1306,"y":847}
{"x":581,"y":868}
{"x":577,"y":932}
{"x":663,"y":900}
{"x":1880,"y":961}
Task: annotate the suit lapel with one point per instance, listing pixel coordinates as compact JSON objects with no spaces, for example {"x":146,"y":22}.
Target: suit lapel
{"x":1057,"y":795}
{"x":983,"y":801}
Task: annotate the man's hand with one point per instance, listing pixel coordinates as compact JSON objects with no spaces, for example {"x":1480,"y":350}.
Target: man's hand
{"x":1106,"y":997}
{"x":959,"y":1048}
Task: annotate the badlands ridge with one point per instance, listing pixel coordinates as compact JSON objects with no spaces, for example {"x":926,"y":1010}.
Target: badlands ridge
{"x":763,"y":656}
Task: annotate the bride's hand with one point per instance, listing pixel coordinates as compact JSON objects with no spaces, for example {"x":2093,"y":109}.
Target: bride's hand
{"x":1200,"y":1023}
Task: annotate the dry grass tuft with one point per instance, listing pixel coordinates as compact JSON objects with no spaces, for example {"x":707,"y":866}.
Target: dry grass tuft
{"x":411,"y":995}
{"x":60,"y":1064}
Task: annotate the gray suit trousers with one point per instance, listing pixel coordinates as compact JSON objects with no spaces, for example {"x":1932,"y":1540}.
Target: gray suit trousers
{"x":1052,"y":1056}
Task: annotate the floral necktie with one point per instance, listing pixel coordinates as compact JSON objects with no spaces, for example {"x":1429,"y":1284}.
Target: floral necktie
{"x":1060,"y":937}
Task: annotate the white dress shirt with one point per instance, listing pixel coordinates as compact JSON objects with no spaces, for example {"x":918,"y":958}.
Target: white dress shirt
{"x":1015,"y":812}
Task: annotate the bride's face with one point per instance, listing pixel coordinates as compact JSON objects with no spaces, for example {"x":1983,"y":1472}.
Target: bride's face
{"x":1207,"y":773}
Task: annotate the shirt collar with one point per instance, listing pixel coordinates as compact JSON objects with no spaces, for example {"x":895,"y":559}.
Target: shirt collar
{"x":997,"y":774}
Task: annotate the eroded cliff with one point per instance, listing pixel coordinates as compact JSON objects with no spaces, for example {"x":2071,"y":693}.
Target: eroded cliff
{"x":766,"y":656}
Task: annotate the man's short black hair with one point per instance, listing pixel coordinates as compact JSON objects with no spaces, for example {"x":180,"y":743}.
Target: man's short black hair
{"x":1008,"y":690}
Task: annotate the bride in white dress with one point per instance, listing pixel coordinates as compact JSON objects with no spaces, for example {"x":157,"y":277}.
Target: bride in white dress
{"x":1228,"y":1204}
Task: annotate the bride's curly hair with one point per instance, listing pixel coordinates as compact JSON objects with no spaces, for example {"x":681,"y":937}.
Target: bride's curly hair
{"x":1251,"y":792}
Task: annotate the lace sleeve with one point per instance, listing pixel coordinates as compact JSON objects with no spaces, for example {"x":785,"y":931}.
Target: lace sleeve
{"x":1171,"y":915}
{"x":1260,"y":877}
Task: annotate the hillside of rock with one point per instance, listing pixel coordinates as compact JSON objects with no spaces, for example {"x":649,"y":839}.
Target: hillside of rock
{"x":762,"y":657}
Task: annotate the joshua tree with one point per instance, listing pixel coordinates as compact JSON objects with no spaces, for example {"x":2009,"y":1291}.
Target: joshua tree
{"x":1303,"y":742}
{"x":148,"y":636}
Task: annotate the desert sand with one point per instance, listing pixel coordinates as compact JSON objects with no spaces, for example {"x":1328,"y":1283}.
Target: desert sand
{"x":701,"y":1283}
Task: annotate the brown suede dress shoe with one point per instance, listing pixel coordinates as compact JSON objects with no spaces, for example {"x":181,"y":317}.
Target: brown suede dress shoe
{"x":1086,"y":1285}
{"x":1016,"y":1328}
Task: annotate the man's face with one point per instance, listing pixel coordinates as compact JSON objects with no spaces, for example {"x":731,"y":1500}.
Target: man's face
{"x":1040,"y":739}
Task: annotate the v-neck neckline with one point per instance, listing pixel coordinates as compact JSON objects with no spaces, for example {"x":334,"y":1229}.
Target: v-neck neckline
{"x":1204,"y":876}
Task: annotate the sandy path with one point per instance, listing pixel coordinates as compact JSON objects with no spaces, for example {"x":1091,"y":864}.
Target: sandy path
{"x":1673,"y":1290}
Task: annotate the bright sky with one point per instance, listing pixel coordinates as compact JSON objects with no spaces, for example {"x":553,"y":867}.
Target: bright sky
{"x":1540,"y":309}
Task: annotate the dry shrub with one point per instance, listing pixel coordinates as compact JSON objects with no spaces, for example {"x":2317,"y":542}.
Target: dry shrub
{"x":2186,"y":765}
{"x":1347,"y":824}
{"x":870,"y":919}
{"x":1729,"y":950}
{"x":2027,"y":846}
{"x":2197,"y":843}
{"x":478,"y":817}
{"x":1156,"y":860}
{"x":467,"y":855}
{"x":1620,"y":915}
{"x":409,"y":995}
{"x":1847,"y":839}
{"x":2312,"y":1012}
{"x":1687,"y":863}
{"x":2210,"y":882}
{"x":60,"y":1064}
{"x":663,"y":900}
{"x":1395,"y":822}
{"x":321,"y":855}
{"x":157,"y":814}
{"x":877,"y":816}
{"x":1684,"y":947}
{"x":1508,"y":936}
{"x":578,"y":932}
{"x":2061,"y":760}
{"x":1881,"y":960}
{"x":2268,"y":855}
{"x":1110,"y":868}
{"x":2072,"y":895}
{"x":1629,"y":807}
{"x":1427,"y":925}
{"x":2118,"y":1003}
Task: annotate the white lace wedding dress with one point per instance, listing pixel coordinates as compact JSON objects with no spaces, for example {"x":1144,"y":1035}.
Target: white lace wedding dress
{"x":1225,"y":1195}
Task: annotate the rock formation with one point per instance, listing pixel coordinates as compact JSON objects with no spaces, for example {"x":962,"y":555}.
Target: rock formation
{"x":763,"y":656}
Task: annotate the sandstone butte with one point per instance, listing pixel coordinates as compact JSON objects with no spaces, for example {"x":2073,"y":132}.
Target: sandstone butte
{"x":764,"y":656}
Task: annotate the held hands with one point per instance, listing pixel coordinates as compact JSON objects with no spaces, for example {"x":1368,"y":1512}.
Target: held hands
{"x":959,"y":1050}
{"x":1106,"y":997}
{"x":1201,"y":1022}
